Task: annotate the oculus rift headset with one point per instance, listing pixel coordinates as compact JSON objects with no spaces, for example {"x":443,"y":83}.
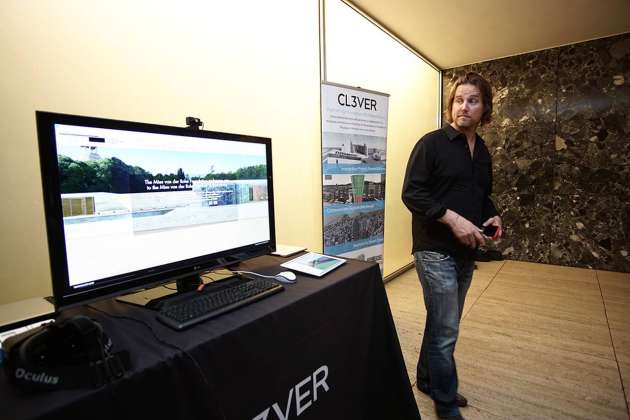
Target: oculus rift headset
{"x":74,"y":353}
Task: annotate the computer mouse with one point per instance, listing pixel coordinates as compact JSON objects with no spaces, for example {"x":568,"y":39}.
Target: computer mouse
{"x":290,"y":276}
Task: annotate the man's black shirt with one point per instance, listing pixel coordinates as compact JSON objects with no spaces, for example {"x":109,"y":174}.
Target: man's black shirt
{"x":442,"y":175}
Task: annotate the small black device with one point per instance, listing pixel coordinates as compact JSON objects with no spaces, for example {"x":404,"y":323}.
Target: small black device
{"x":74,"y":353}
{"x":490,"y":230}
{"x":194,"y":123}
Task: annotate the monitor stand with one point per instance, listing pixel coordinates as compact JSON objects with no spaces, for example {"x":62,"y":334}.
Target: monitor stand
{"x":155,"y":297}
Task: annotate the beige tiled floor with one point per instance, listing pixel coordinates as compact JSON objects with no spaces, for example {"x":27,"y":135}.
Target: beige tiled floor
{"x":536,"y":341}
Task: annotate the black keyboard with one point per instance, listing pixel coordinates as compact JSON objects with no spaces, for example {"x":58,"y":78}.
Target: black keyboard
{"x":199,"y":306}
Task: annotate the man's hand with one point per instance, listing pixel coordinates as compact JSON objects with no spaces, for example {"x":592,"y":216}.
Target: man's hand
{"x":465,"y":232}
{"x":495,"y":221}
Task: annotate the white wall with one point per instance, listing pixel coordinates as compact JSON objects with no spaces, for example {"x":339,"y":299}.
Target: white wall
{"x":242,"y":66}
{"x":360,"y":54}
{"x":248,"y":67}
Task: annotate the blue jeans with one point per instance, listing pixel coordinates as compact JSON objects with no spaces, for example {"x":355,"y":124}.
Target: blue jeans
{"x":445,"y":281}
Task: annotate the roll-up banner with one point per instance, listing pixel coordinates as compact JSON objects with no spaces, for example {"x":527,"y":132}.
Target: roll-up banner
{"x":354,"y":145}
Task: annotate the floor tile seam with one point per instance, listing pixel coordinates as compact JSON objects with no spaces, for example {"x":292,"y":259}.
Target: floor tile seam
{"x":548,"y":342}
{"x":520,"y":335}
{"x":483,"y":291}
{"x":560,"y":291}
{"x":589,"y":320}
{"x":575,"y":352}
{"x":584,"y":280}
{"x":547,"y":408}
{"x":614,"y":274}
{"x":541,"y":275}
{"x":533,"y":400}
{"x":470,"y":404}
{"x":408,"y":318}
{"x":525,"y":275}
{"x":600,"y":392}
{"x":527,"y":335}
{"x":559,"y":274}
{"x":537,"y":318}
{"x":619,"y":297}
{"x":553,"y":267}
{"x":615,"y":288}
{"x":612,"y":344}
{"x":620,"y":283}
{"x":537,"y":314}
{"x":538,"y":306}
{"x":546,"y":301}
{"x":531,"y":379}
{"x":483,"y":410}
{"x":530,"y":366}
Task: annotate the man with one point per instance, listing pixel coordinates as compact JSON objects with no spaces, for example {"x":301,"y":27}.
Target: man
{"x":447,"y":189}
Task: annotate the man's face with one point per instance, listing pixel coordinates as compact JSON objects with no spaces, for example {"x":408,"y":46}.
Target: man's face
{"x":467,"y":107}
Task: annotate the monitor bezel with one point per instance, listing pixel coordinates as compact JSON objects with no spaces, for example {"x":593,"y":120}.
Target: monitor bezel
{"x":64,"y":295}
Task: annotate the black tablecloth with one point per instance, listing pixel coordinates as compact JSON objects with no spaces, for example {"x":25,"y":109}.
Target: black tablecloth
{"x":325,"y":348}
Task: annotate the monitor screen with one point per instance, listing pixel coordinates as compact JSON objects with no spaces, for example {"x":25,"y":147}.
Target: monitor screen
{"x":130,"y":205}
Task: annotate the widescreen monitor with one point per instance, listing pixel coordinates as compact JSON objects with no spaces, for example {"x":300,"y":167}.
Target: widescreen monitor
{"x":131,"y":205}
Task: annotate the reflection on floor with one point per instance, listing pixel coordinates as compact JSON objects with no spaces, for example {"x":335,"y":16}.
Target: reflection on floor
{"x":536,"y":341}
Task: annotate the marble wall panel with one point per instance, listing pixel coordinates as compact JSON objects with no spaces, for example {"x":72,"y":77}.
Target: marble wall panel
{"x":588,"y":231}
{"x":593,"y":80}
{"x":527,"y":218}
{"x":524,"y":87}
{"x":560,"y":142}
{"x":522,"y":157}
{"x":595,"y":141}
{"x":593,"y":130}
{"x":576,"y":178}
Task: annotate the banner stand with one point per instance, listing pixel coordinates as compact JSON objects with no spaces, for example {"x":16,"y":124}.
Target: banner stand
{"x":354,"y":155}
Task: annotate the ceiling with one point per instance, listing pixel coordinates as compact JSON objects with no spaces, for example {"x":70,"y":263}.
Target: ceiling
{"x":454,"y":33}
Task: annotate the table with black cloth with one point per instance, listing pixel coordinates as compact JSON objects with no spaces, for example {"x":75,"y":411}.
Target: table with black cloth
{"x":324,"y":348}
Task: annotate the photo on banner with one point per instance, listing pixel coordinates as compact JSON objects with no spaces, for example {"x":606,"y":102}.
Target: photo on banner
{"x":354,"y":156}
